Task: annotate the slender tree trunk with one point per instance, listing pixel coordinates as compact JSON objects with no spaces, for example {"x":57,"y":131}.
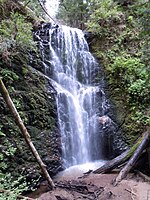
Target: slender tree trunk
{"x":24,"y":132}
{"x":133,"y":159}
{"x":110,"y":165}
{"x":44,"y":9}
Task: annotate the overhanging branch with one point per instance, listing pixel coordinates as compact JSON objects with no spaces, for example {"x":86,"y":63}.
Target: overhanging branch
{"x":44,"y":9}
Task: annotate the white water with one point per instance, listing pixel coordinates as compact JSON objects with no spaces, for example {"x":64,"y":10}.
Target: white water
{"x":73,"y":65}
{"x":72,"y":68}
{"x":77,"y":171}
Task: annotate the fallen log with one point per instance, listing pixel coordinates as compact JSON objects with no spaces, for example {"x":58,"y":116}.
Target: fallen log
{"x":133,"y":159}
{"x":24,"y":132}
{"x":112,"y":164}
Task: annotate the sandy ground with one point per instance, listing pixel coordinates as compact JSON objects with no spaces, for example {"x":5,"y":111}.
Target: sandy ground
{"x":100,"y":187}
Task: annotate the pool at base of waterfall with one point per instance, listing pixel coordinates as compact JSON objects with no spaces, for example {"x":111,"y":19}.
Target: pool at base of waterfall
{"x":79,"y":170}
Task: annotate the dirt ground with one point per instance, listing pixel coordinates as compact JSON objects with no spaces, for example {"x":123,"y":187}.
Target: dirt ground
{"x":96,"y":187}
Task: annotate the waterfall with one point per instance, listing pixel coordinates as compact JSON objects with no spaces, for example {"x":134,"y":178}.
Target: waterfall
{"x":81,"y":101}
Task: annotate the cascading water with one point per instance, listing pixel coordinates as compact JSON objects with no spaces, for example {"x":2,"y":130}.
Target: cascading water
{"x":81,"y":102}
{"x":72,"y":70}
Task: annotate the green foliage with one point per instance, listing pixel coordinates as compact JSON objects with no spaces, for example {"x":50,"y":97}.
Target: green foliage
{"x":11,"y":150}
{"x":12,"y":187}
{"x":5,"y":44}
{"x":15,"y":32}
{"x":15,"y":44}
{"x":35,"y":7}
{"x":128,"y":68}
{"x":145,"y":32}
{"x":122,"y":44}
{"x":73,"y":12}
{"x":103,"y":14}
{"x":9,"y":75}
{"x":77,"y":13}
{"x":140,"y":117}
{"x":133,"y":76}
{"x":140,"y":89}
{"x":8,"y":150}
{"x":103,"y":9}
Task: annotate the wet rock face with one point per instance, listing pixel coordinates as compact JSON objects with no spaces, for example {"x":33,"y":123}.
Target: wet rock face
{"x":37,"y":108}
{"x":112,"y":142}
{"x":48,"y":144}
{"x":41,"y":34}
{"x":89,"y":36}
{"x":42,"y":31}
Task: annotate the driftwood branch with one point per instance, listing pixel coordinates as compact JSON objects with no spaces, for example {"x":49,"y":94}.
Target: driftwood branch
{"x":112,"y":164}
{"x":133,"y":159}
{"x":24,"y":132}
{"x":46,"y":11}
{"x":133,"y":154}
{"x":108,"y":166}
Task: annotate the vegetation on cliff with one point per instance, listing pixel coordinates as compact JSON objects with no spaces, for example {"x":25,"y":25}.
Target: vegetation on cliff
{"x":120,"y":45}
{"x":19,"y":59}
{"x":119,"y":39}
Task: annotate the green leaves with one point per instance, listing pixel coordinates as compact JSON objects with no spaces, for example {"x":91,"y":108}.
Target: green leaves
{"x":122,"y":45}
{"x":103,"y":12}
{"x":9,"y":75}
{"x":127,"y":65}
{"x":22,"y":31}
{"x":74,"y":12}
{"x":35,"y":7}
{"x":13,"y":187}
{"x":133,"y":75}
{"x":15,"y":33}
{"x":138,"y":88}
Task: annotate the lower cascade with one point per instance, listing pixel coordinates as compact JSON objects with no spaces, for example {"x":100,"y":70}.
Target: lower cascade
{"x":81,"y":102}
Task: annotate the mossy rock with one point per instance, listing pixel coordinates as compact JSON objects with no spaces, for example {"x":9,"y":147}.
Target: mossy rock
{"x":37,"y":108}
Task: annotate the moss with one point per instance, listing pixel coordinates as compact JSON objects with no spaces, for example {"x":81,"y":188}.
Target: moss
{"x":37,"y":108}
{"x":120,"y":36}
{"x":28,"y":90}
{"x":133,"y":148}
{"x":8,"y":6}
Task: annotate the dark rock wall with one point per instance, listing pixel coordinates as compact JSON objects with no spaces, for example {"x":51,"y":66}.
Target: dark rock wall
{"x":36,"y":106}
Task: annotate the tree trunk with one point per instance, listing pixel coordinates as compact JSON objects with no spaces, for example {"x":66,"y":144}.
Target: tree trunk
{"x":24,"y":132}
{"x":110,"y":165}
{"x":133,"y":159}
{"x":44,"y":9}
